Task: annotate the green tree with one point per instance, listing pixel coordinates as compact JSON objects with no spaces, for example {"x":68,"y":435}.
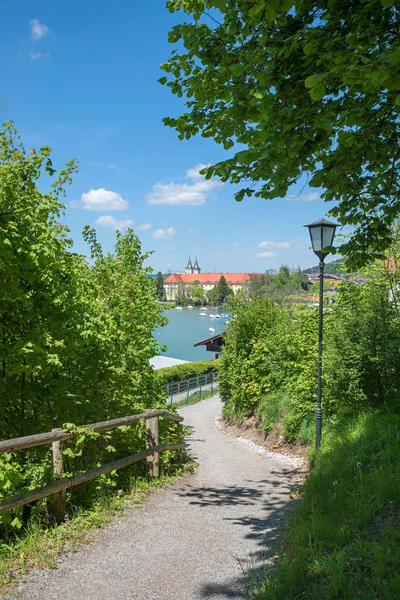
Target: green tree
{"x":197,"y":291}
{"x":300,"y":89}
{"x":75,"y":338}
{"x":224,"y":291}
{"x":213,"y":296}
{"x":159,"y":283}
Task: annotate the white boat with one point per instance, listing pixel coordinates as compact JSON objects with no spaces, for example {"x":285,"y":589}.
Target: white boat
{"x":178,"y":308}
{"x":190,"y":306}
{"x":212,"y":316}
{"x":224,"y":315}
{"x":211,"y":329}
{"x":202,"y":314}
{"x":217,"y":316}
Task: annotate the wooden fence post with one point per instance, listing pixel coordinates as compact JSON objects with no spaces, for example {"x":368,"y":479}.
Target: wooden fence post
{"x":58,"y":471}
{"x":152,"y":440}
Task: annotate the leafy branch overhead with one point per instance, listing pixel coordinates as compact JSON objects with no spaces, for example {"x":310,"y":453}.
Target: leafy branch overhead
{"x":304,"y":88}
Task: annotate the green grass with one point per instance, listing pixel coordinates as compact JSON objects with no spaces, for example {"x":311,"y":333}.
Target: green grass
{"x":272,"y":408}
{"x":343,"y":541}
{"x":38,"y":547}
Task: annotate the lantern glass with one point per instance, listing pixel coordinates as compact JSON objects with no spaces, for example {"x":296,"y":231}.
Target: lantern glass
{"x":322,"y":233}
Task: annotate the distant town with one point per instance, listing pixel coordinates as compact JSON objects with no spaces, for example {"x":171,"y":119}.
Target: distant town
{"x":194,"y":286}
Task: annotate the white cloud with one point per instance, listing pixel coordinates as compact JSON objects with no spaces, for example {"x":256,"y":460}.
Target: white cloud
{"x":184,"y":194}
{"x":112,"y":223}
{"x":235,"y":245}
{"x":269,"y":244}
{"x":102,"y":199}
{"x":164,"y":234}
{"x":194,"y":172}
{"x":36,"y":55}
{"x":310,"y":197}
{"x":144,"y":227}
{"x":39,"y":30}
{"x":265,"y":255}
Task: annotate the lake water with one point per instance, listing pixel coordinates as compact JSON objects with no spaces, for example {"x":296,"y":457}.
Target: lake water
{"x":186,"y":328}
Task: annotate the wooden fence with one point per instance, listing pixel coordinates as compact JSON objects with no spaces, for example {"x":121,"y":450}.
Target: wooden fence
{"x":57,"y":436}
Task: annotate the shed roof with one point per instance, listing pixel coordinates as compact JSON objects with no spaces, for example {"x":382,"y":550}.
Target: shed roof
{"x":211,"y":339}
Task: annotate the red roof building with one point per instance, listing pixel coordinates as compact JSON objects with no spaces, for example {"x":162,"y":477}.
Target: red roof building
{"x":177,"y":281}
{"x":209,"y":278}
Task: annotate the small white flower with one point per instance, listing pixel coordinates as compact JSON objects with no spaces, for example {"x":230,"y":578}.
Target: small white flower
{"x":335,"y":483}
{"x":359,"y":465}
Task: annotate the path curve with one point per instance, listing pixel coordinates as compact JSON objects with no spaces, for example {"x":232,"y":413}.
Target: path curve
{"x":193,"y":540}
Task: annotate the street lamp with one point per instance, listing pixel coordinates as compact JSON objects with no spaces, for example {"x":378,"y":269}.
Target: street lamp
{"x":322,"y":233}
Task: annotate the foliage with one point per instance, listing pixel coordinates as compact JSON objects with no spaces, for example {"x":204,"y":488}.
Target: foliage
{"x":75,"y":339}
{"x":299,"y":89}
{"x":223,"y":289}
{"x":342,"y":541}
{"x":288,"y":282}
{"x":187,"y":370}
{"x":361,"y":353}
{"x":270,"y":357}
{"x":220,"y":293}
{"x":197,"y":291}
{"x":334,"y":267}
{"x":159,"y":283}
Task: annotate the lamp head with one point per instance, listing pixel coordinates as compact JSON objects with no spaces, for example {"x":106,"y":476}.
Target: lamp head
{"x":322,"y":233}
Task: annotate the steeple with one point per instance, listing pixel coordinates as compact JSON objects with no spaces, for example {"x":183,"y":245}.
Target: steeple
{"x":196,"y":268}
{"x":189,"y":268}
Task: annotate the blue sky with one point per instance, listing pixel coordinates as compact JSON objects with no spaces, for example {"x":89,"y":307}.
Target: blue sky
{"x":81,"y":77}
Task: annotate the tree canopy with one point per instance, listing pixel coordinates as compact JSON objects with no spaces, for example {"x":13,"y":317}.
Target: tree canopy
{"x":75,"y":338}
{"x":159,"y":283}
{"x":301,"y":90}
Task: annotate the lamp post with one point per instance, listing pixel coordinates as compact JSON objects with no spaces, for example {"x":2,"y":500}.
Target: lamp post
{"x":322,"y":233}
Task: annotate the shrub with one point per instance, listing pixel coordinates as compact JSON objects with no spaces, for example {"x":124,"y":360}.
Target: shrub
{"x":187,"y":370}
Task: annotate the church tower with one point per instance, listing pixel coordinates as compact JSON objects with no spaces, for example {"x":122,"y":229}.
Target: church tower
{"x":189,"y":268}
{"x":196,"y":269}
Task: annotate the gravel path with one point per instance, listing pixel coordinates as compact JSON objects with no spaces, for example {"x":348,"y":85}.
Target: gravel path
{"x":194,"y":539}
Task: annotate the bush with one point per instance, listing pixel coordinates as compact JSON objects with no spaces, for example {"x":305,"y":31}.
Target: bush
{"x":187,"y":370}
{"x":272,"y":350}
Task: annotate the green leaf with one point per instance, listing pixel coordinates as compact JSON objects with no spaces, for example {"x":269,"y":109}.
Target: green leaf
{"x":394,"y":83}
{"x":397,"y":100}
{"x":16,"y":523}
{"x":68,"y":452}
{"x":220,"y":4}
{"x":388,"y":3}
{"x":312,"y":81}
{"x":395,"y":57}
{"x":318,"y":92}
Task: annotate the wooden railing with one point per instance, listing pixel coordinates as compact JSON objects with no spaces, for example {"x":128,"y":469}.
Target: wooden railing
{"x":57,"y":436}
